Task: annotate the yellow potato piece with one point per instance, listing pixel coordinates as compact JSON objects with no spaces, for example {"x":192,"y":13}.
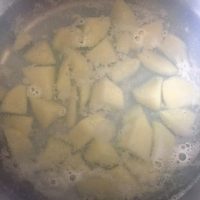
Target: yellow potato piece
{"x":22,"y":40}
{"x":67,"y":37}
{"x":157,"y":63}
{"x":180,"y":121}
{"x":122,"y":17}
{"x":55,"y":152}
{"x":95,"y":29}
{"x":20,"y":123}
{"x":102,"y":54}
{"x":163,"y":144}
{"x":15,"y":101}
{"x":3,"y":92}
{"x":46,"y":112}
{"x":136,"y":135}
{"x":99,"y":153}
{"x":42,"y":78}
{"x":149,"y":93}
{"x":124,"y":69}
{"x":40,"y":54}
{"x":106,"y":95}
{"x":178,"y":92}
{"x":63,"y":84}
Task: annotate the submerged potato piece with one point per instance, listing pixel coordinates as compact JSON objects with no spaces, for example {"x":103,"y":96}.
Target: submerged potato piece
{"x":178,"y":92}
{"x":99,"y":153}
{"x":22,"y":40}
{"x":40,"y":54}
{"x":3,"y":92}
{"x":122,"y":17}
{"x":94,"y":30}
{"x":102,"y":54}
{"x":55,"y":152}
{"x":136,"y":135}
{"x":124,"y":69}
{"x":46,"y":112}
{"x":15,"y":101}
{"x":106,"y":94}
{"x":149,"y":93}
{"x":180,"y":121}
{"x":157,"y":63}
{"x":178,"y":52}
{"x":63,"y":84}
{"x":67,"y":37}
{"x":163,"y":144}
{"x":42,"y":78}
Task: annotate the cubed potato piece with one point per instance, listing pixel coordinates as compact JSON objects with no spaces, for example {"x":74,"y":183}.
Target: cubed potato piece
{"x":136,"y":135}
{"x":20,"y":123}
{"x":19,"y":144}
{"x":63,"y":84}
{"x":46,"y":112}
{"x":99,"y":153}
{"x":55,"y":152}
{"x":94,"y":30}
{"x":106,"y":95}
{"x":178,"y":92}
{"x":3,"y":92}
{"x":102,"y":54}
{"x":157,"y":63}
{"x":124,"y":69}
{"x":149,"y":93}
{"x":67,"y":37}
{"x":22,"y":40}
{"x":42,"y":78}
{"x":180,"y":121}
{"x":40,"y":54}
{"x":163,"y":144}
{"x":15,"y":101}
{"x":179,"y":51}
{"x":122,"y":17}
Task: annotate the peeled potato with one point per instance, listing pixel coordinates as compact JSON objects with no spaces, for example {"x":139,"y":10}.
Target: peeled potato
{"x":3,"y":92}
{"x":180,"y":121}
{"x":46,"y":112}
{"x":157,"y":63}
{"x":15,"y":101}
{"x":94,"y":30}
{"x":22,"y":40}
{"x":163,"y":143}
{"x":136,"y":136}
{"x":40,"y":54}
{"x":101,"y":154}
{"x":42,"y":78}
{"x":149,"y":93}
{"x":178,"y":92}
{"x":124,"y":69}
{"x":106,"y":94}
{"x":102,"y":54}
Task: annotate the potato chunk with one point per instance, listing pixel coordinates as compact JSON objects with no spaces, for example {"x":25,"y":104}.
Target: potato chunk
{"x":157,"y":63}
{"x":101,"y":154}
{"x":149,"y":93}
{"x":15,"y":101}
{"x":40,"y":54}
{"x":124,"y":69}
{"x":46,"y":112}
{"x":180,"y":121}
{"x":102,"y":54}
{"x":22,"y":40}
{"x":3,"y":92}
{"x":178,"y":92}
{"x":42,"y":78}
{"x":106,"y":95}
{"x":163,"y":144}
{"x":136,"y":135}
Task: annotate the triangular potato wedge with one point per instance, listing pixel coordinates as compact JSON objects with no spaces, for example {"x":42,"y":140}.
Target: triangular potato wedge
{"x":42,"y":78}
{"x":180,"y":121}
{"x":22,"y":40}
{"x":178,"y":92}
{"x":157,"y":63}
{"x":40,"y":54}
{"x":46,"y":112}
{"x":149,"y":93}
{"x":15,"y":101}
